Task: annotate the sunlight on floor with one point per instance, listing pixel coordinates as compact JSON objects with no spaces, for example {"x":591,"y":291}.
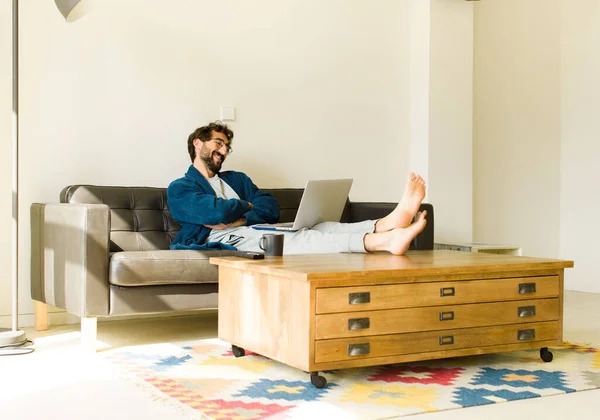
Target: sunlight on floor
{"x":52,"y":366}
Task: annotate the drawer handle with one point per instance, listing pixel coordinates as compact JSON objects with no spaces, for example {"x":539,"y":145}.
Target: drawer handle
{"x":447,"y":291}
{"x":526,"y":311}
{"x":526,"y":288}
{"x":446,"y":339}
{"x":359,"y":323}
{"x":358,"y":349}
{"x":357,"y":298}
{"x":446,"y":316}
{"x":523,"y":335}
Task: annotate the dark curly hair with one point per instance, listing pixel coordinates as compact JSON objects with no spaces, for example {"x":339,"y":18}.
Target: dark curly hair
{"x":205,"y":134}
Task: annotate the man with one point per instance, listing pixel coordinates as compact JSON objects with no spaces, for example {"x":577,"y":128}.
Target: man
{"x":216,"y":209}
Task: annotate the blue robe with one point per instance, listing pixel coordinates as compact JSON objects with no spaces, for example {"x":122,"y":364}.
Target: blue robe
{"x":193,"y":204}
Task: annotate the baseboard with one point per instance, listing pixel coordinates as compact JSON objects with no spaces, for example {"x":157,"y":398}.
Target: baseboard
{"x":58,"y":317}
{"x":26,"y":320}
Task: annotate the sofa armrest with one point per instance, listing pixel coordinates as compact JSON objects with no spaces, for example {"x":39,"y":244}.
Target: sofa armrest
{"x":69,"y":257}
{"x":371,"y":211}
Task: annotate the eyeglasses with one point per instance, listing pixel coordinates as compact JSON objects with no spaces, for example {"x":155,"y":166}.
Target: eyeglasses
{"x":220,"y":143}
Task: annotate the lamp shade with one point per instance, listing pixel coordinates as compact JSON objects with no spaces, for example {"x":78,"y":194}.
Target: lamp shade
{"x":72,"y":9}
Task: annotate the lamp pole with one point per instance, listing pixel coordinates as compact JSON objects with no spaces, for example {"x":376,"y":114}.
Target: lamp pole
{"x":14,"y":337}
{"x":15,"y":163}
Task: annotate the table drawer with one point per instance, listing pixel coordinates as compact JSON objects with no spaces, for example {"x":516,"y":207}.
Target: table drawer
{"x":432,"y":318}
{"x":399,"y":344}
{"x":366,"y":298}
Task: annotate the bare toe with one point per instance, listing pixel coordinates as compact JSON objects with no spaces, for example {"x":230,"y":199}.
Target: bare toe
{"x":401,"y":238}
{"x":405,"y":211}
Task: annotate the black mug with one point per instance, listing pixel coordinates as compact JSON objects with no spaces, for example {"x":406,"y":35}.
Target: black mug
{"x":272,"y":244}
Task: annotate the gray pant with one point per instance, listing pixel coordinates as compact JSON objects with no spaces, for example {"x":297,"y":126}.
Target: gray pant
{"x":327,"y":237}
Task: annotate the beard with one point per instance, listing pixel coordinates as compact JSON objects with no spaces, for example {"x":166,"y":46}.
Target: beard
{"x":212,"y":161}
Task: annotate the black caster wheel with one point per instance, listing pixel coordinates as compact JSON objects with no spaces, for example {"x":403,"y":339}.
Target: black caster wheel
{"x":237,"y":351}
{"x":317,"y":380}
{"x":546,"y":354}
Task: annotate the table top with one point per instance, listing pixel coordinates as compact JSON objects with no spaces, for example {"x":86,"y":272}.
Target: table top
{"x":413,"y":264}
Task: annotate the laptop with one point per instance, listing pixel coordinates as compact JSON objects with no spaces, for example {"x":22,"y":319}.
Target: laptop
{"x":322,"y":201}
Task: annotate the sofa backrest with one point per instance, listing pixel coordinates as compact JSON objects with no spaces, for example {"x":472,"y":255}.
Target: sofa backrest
{"x":140,"y":219}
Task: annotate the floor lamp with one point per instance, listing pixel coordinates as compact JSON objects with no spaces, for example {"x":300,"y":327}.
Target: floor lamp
{"x":12,"y":342}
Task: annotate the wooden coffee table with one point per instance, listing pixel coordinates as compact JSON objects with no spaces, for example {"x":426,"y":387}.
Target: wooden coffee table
{"x":335,"y":311}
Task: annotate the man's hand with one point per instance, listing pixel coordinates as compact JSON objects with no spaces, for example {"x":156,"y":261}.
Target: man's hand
{"x":239,"y":222}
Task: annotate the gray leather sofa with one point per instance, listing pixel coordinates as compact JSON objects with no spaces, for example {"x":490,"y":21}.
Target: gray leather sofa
{"x":104,"y":251}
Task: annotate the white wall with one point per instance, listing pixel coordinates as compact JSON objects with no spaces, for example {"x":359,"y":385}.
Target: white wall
{"x":580,"y":153}
{"x":536,"y":141}
{"x":5,"y":157}
{"x":419,"y":76}
{"x":517,"y":117}
{"x":451,"y":120}
{"x":328,"y":86}
{"x":441,"y":109}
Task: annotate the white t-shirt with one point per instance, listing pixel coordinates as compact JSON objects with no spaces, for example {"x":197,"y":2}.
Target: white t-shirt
{"x":222,"y":189}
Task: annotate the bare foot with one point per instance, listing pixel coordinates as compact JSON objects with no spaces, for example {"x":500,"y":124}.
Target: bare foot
{"x":402,"y":216}
{"x":396,"y":241}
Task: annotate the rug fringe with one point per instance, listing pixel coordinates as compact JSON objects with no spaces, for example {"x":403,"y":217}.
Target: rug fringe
{"x":156,"y":395}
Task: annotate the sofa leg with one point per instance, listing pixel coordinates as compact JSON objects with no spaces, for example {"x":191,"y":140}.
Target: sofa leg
{"x":89,"y":328}
{"x":40,"y":316}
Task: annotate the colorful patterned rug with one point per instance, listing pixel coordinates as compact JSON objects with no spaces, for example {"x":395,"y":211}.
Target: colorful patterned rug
{"x":206,"y":377}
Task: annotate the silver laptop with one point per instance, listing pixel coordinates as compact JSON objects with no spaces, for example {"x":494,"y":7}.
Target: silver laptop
{"x":322,"y":201}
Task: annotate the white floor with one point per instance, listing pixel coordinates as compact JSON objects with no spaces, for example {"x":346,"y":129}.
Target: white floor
{"x":58,"y":382}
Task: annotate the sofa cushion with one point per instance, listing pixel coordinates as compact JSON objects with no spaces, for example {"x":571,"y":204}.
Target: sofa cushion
{"x":163,"y":267}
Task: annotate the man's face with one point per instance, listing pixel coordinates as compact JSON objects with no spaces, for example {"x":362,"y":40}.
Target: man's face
{"x":214,"y":151}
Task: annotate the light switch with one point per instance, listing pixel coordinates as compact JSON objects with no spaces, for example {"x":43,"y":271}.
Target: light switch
{"x":227,"y":113}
